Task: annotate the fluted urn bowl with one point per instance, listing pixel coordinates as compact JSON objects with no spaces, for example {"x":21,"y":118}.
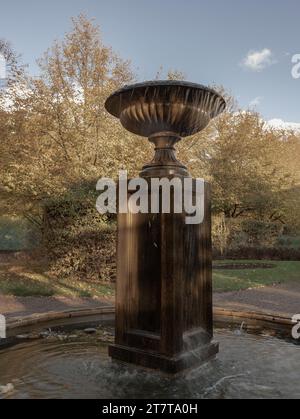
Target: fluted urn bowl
{"x":165,"y":106}
{"x":165,"y":111}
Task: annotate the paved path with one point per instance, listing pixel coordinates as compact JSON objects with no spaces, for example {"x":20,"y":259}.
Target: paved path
{"x":279,"y":299}
{"x":25,"y":306}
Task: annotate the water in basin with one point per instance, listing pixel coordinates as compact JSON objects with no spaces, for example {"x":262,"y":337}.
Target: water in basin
{"x":248,"y":366}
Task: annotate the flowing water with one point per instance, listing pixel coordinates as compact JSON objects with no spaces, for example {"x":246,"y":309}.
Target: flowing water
{"x":247,"y":367}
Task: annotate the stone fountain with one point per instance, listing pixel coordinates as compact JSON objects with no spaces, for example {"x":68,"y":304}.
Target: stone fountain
{"x":164,"y":276}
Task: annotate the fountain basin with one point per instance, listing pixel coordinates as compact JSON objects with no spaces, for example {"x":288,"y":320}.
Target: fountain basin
{"x":248,"y":366}
{"x":176,"y":107}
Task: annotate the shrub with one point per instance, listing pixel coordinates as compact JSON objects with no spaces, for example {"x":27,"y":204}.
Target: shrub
{"x":261,"y":233}
{"x":80,"y":243}
{"x":260,"y":253}
{"x":250,"y":239}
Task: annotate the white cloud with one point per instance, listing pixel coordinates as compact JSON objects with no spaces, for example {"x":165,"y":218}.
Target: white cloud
{"x":256,"y":102}
{"x":259,"y":60}
{"x":280,"y":124}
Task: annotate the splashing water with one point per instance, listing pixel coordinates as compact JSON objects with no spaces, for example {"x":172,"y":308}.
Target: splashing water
{"x":71,"y":369}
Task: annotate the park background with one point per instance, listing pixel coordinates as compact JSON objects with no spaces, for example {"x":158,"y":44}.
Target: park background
{"x":57,"y":141}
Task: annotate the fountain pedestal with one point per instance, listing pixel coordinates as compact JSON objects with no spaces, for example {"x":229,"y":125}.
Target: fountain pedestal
{"x":164,"y":291}
{"x":164,"y":280}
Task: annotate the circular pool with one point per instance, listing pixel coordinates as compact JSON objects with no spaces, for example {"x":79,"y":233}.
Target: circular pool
{"x":248,"y":366}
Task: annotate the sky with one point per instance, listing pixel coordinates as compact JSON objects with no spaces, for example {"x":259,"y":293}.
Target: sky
{"x":245,"y":45}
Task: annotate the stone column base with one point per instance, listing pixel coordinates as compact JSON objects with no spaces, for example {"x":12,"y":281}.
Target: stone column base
{"x":170,"y":365}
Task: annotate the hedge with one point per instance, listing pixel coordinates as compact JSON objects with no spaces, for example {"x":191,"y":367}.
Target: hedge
{"x":80,"y":243}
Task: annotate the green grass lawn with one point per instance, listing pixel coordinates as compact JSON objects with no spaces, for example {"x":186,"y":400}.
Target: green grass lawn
{"x":25,"y":279}
{"x":234,"y":280}
{"x":29,"y":280}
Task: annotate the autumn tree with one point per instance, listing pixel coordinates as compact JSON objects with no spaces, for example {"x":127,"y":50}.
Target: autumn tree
{"x":56,"y":135}
{"x":9,"y":93}
{"x":247,"y":162}
{"x":59,"y":134}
